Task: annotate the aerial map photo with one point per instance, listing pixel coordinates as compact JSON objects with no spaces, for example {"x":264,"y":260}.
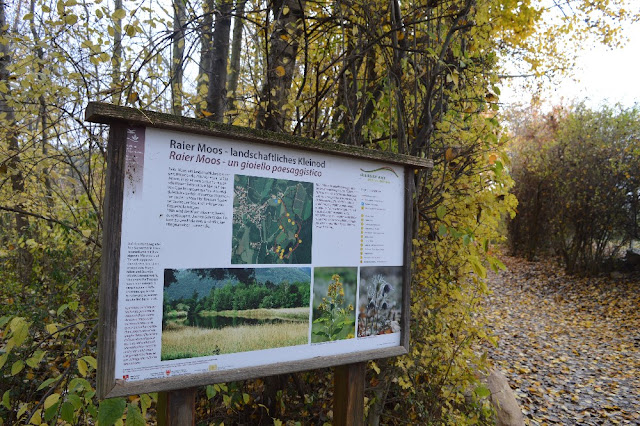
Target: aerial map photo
{"x":272,"y":221}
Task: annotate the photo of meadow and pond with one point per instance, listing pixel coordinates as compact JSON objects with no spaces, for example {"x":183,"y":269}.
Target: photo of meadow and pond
{"x":228,"y":310}
{"x":334,"y":298}
{"x":380,"y":302}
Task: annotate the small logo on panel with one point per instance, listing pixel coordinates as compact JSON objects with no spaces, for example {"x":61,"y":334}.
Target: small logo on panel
{"x":379,"y":171}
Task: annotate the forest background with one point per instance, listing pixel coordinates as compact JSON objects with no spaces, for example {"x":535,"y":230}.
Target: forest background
{"x":418,"y":77}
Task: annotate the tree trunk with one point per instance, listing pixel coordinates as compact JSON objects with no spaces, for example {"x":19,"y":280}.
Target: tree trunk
{"x":353,"y":135}
{"x":346,"y":98}
{"x":217,"y":95}
{"x":281,"y":63}
{"x":399,"y":47}
{"x":179,"y":22}
{"x":116,"y":57}
{"x":205,"y":56}
{"x":9,"y":133}
{"x":236,"y":50}
{"x":42,"y":109}
{"x":10,"y":126}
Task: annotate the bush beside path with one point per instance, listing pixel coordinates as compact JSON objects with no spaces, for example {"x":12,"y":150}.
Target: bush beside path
{"x":569,"y":346}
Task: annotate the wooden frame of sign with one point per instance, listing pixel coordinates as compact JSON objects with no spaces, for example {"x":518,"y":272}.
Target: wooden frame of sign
{"x":144,"y":238}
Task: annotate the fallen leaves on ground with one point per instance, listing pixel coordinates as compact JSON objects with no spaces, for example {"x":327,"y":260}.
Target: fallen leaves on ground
{"x":569,"y":346}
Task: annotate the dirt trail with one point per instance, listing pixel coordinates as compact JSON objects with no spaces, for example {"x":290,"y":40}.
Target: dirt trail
{"x":570,"y":347}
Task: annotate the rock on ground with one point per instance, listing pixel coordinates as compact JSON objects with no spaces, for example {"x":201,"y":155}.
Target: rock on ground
{"x":508,"y":412}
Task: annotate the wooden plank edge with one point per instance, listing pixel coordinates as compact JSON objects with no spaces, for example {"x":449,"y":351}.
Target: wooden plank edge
{"x":407,"y":272}
{"x":98,"y":112}
{"x":123,"y":388}
{"x":110,"y":268}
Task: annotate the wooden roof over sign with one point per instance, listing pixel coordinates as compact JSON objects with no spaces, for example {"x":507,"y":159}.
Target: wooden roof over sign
{"x":104,"y":113}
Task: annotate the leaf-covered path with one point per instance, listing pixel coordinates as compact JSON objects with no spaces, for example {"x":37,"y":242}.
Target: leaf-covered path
{"x":570,"y":347}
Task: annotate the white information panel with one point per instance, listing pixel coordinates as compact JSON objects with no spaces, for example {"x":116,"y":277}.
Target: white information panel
{"x":236,"y":254}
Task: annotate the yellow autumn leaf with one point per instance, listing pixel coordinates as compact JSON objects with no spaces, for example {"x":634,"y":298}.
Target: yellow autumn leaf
{"x":82,"y":367}
{"x":86,"y":233}
{"x":454,"y":78}
{"x":118,"y":14}
{"x":17,"y":367}
{"x":449,"y":154}
{"x":51,"y":400}
{"x":130,"y":30}
{"x":206,"y":113}
{"x":490,"y":97}
{"x":36,"y":418}
{"x":90,"y":360}
{"x":70,"y":19}
{"x":133,"y":97}
{"x":22,"y":410}
{"x":280,"y":72}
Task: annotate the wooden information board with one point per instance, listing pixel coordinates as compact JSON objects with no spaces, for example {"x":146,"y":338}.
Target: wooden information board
{"x":231,"y":254}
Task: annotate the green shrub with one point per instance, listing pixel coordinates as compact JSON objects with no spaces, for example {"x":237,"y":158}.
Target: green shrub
{"x":577,"y":182}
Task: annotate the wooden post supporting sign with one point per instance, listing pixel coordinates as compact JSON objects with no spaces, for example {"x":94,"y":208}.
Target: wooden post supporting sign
{"x":348,"y":395}
{"x":177,"y":407}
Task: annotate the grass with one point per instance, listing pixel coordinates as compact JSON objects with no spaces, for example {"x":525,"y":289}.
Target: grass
{"x":189,"y":342}
{"x":263,"y":314}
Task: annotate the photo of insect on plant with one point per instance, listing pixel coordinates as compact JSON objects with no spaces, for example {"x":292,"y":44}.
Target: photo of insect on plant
{"x":380,"y":301}
{"x":334,"y":298}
